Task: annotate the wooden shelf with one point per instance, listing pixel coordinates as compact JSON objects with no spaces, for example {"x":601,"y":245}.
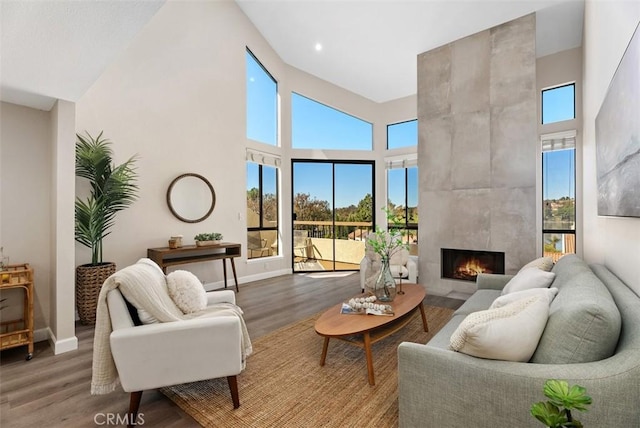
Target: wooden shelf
{"x":166,"y":257}
{"x":18,"y":332}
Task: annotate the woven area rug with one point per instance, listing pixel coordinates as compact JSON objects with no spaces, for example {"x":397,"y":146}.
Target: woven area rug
{"x":284,"y":385}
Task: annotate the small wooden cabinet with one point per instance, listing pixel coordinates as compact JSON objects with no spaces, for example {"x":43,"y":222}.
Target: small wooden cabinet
{"x":18,"y":332}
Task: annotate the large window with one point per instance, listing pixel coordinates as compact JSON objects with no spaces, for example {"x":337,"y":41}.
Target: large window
{"x":558,"y":104}
{"x":317,"y":126}
{"x":559,"y":194}
{"x":262,"y":210}
{"x":402,"y":191}
{"x":262,"y":102}
{"x":404,"y":134}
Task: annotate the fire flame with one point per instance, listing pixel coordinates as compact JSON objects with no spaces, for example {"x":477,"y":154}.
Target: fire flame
{"x":471,"y":268}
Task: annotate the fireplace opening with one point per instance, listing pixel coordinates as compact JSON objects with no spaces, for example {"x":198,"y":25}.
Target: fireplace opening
{"x":467,"y":264}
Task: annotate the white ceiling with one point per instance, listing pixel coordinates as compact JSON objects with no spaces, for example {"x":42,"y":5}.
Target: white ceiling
{"x":57,"y":49}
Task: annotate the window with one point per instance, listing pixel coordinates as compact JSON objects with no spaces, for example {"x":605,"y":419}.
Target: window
{"x":262,"y":102}
{"x":404,"y":134}
{"x":558,"y":104}
{"x":559,"y":194}
{"x":317,"y":126}
{"x":402,"y":194}
{"x":262,"y":210}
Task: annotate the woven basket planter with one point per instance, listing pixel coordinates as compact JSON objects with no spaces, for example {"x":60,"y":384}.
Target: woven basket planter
{"x":89,"y":280}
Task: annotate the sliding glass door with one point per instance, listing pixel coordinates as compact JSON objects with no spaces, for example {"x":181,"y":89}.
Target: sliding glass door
{"x":332,"y":213}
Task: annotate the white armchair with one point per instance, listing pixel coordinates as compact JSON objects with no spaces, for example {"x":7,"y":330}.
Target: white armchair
{"x":401,"y":265}
{"x":151,"y":356}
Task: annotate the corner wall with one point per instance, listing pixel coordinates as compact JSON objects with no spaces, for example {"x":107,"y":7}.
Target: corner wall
{"x":477,"y":149}
{"x":36,"y":213}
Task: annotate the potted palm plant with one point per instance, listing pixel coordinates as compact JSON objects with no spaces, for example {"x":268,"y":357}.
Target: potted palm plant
{"x":112,"y":189}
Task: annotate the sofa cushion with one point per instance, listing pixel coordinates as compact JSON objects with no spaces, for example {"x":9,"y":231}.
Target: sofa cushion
{"x":584,"y":321}
{"x":148,"y":274}
{"x":442,"y":338}
{"x":546,"y":293}
{"x":186,"y":291}
{"x":479,"y":301}
{"x":529,"y":278}
{"x":509,"y":333}
{"x":543,"y":263}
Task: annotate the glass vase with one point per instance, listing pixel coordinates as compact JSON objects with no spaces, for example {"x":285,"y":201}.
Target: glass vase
{"x":385,"y":287}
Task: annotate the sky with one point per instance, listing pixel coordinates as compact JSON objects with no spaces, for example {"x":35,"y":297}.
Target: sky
{"x":317,"y":126}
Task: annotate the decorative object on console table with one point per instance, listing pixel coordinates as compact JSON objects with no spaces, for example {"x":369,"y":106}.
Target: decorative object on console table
{"x":204,"y":239}
{"x":112,"y":189}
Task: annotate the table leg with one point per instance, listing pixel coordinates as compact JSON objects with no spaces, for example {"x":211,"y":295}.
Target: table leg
{"x":367,"y":352}
{"x":424,"y":317}
{"x":224,"y":271}
{"x":235,"y":277}
{"x":325,"y":347}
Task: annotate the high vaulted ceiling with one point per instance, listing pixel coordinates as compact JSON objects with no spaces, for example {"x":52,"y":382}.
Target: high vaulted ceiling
{"x":57,"y":49}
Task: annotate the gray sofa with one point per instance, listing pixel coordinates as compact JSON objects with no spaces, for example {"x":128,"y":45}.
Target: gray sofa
{"x":592,"y":338}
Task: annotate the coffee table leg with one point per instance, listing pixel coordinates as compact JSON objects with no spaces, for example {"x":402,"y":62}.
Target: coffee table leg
{"x":424,"y":317}
{"x":325,"y":346}
{"x":367,"y":352}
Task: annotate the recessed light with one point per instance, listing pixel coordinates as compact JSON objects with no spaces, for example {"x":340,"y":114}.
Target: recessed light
{"x":318,"y":47}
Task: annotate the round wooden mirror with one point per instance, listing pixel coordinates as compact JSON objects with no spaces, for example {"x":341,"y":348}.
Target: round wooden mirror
{"x":191,"y":198}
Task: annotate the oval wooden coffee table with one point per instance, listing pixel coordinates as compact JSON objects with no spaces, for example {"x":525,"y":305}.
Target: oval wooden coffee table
{"x":365,"y":330}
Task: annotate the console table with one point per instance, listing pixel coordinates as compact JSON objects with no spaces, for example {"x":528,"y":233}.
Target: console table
{"x":165,"y":256}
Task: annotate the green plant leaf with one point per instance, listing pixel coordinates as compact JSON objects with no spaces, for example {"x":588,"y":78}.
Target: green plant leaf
{"x":560,"y":394}
{"x":549,"y":414}
{"x":113,"y":188}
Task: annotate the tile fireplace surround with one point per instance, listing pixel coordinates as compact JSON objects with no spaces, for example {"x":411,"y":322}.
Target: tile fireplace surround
{"x":477,"y":128}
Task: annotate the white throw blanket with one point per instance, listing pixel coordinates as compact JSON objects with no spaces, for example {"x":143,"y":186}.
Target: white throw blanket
{"x":144,"y":286}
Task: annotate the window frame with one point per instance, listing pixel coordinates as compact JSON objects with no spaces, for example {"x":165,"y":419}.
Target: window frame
{"x":406,"y":225}
{"x":552,"y":88}
{"x":277,"y":110}
{"x":261,"y":227}
{"x":401,"y":123}
{"x":293,"y":142}
{"x":549,"y":231}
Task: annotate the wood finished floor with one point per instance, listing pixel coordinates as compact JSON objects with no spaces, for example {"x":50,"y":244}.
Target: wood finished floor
{"x":53,"y":390}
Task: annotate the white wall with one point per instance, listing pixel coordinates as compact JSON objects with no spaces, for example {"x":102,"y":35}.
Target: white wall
{"x":36,"y":213}
{"x":24,"y":211}
{"x":608,"y":30}
{"x":176,"y":97}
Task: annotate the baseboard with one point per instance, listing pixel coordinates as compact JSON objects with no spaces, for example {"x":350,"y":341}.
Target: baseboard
{"x":62,"y":346}
{"x":219,"y":285}
{"x":41,"y":334}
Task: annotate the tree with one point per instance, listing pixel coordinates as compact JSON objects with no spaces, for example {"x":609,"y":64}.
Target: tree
{"x":307,"y":208}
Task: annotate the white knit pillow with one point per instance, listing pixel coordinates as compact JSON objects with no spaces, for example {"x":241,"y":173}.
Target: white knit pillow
{"x":547,"y":293}
{"x":509,"y":333}
{"x":186,"y":291}
{"x":529,"y":278}
{"x":543,"y":263}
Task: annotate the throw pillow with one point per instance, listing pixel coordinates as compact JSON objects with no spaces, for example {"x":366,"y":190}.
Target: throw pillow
{"x":543,"y":263}
{"x":186,"y":291}
{"x":546,"y":293}
{"x":529,"y":278}
{"x":509,"y":333}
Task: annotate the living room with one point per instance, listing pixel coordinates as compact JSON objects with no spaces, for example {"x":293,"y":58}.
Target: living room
{"x":175,"y":96}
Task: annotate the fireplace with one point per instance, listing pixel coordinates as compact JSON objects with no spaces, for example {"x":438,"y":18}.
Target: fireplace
{"x":467,"y":264}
